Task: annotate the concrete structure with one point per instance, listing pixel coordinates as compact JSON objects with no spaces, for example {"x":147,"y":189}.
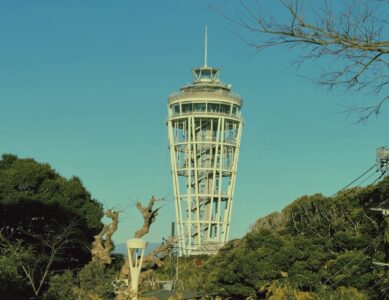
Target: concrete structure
{"x":204,"y":128}
{"x":136,"y":249}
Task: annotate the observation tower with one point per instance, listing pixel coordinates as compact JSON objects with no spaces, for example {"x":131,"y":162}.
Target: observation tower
{"x":204,"y":127}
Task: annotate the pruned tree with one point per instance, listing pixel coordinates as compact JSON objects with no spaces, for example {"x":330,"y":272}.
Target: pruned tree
{"x":102,"y":245}
{"x":149,"y":213}
{"x":155,"y":258}
{"x":350,"y":38}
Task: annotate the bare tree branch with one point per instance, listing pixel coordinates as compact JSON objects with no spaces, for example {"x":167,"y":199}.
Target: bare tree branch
{"x":348,"y":37}
{"x":155,"y":259}
{"x":149,"y":213}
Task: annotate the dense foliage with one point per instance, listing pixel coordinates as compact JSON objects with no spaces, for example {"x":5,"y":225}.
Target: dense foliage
{"x":318,"y":245}
{"x":47,"y":223}
{"x":93,"y":281}
{"x":187,"y":270}
{"x":316,"y":248}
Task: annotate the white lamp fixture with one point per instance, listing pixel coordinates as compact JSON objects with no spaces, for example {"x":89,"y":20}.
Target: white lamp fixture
{"x":136,"y":249}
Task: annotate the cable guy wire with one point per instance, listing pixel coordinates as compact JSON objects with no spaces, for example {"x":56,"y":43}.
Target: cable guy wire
{"x":359,"y":177}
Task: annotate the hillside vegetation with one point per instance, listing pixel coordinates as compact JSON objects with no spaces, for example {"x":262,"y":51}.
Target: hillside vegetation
{"x":316,"y":248}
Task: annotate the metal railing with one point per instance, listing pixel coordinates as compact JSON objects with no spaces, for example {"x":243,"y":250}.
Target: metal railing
{"x":210,"y":113}
{"x":205,"y":94}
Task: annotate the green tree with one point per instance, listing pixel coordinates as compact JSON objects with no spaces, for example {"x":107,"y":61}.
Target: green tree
{"x":12,"y":256}
{"x":93,"y":281}
{"x":46,"y":215}
{"x":62,"y":287}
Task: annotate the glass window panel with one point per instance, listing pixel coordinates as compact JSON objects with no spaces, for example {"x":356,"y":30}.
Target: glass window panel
{"x":206,"y":74}
{"x":187,"y":108}
{"x":225,"y":108}
{"x":213,"y":107}
{"x":199,"y":107}
{"x":234,"y":110}
{"x":176,"y":110}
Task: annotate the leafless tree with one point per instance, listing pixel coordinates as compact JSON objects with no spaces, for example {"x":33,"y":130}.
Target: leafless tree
{"x":155,"y":259}
{"x":102,"y":245}
{"x":350,"y":38}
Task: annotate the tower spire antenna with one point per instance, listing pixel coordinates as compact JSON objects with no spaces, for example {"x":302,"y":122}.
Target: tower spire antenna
{"x":206,"y":48}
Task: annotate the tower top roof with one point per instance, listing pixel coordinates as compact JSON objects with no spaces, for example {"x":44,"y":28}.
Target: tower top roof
{"x":205,"y":73}
{"x":206,"y":85}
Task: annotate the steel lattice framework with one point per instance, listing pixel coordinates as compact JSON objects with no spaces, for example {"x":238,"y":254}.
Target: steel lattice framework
{"x":204,"y":128}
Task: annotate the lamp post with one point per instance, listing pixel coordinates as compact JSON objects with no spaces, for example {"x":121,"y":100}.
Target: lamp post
{"x":136,"y":249}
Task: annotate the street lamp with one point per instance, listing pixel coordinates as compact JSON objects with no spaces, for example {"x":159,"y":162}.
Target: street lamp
{"x":136,"y":249}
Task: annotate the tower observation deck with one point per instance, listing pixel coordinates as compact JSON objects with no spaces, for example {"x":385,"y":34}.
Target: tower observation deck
{"x":204,"y":130}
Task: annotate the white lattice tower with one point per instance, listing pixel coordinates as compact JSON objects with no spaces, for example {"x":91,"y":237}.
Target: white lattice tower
{"x":204,"y":128}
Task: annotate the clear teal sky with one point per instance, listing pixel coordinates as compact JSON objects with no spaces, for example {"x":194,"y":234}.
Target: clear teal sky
{"x":83,"y":86}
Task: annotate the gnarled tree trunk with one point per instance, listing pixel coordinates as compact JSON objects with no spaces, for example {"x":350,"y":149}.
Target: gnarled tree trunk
{"x":102,"y":245}
{"x":152,"y":261}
